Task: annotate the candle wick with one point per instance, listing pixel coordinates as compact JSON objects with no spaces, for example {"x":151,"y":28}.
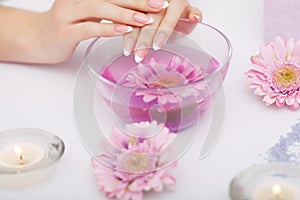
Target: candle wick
{"x":21,"y":159}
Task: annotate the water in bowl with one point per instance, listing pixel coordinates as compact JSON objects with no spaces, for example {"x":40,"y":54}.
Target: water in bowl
{"x":185,"y":103}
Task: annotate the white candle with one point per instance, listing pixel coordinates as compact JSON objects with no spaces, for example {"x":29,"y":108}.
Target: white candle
{"x":269,"y":181}
{"x":27,"y":156}
{"x":21,"y":156}
{"x":271,"y":190}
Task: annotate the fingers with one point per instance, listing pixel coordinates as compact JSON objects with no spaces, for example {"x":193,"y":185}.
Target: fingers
{"x":104,"y":10}
{"x":86,"y":30}
{"x":168,"y":23}
{"x":194,"y":14}
{"x":142,"y":5}
{"x":129,"y":41}
{"x":145,"y":38}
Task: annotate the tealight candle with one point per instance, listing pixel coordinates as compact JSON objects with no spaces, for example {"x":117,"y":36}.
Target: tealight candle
{"x":271,"y":181}
{"x":27,"y":156}
{"x":21,"y":156}
{"x":275,"y":191}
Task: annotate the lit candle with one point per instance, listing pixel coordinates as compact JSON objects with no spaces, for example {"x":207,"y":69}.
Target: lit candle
{"x":275,"y":191}
{"x":20,"y":156}
{"x":269,"y":181}
{"x":19,"y":152}
{"x":27,"y":156}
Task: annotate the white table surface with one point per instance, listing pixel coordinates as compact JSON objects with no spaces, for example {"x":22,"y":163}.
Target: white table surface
{"x":40,"y":96}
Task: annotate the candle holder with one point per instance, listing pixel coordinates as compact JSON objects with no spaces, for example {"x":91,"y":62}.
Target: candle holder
{"x":28,"y":156}
{"x":272,"y":181}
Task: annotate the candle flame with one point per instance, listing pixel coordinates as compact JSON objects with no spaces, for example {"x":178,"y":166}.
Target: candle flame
{"x":18,"y":151}
{"x":276,"y":190}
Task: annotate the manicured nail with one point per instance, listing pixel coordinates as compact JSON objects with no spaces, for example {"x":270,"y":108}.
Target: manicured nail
{"x":137,"y":58}
{"x":140,"y":53}
{"x":123,"y":28}
{"x":128,"y":46}
{"x":196,"y":16}
{"x":158,"y":4}
{"x":159,"y":41}
{"x":165,"y":5}
{"x":142,"y":18}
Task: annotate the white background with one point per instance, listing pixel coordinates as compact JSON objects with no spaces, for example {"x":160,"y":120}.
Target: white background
{"x":40,"y":96}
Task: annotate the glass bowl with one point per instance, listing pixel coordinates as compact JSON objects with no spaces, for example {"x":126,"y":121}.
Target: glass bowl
{"x":118,"y":124}
{"x":205,"y":51}
{"x":28,"y":156}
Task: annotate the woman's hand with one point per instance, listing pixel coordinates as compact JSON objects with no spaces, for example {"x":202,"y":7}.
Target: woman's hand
{"x":156,"y":34}
{"x":52,"y":36}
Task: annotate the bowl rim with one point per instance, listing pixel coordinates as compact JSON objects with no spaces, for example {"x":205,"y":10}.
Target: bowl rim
{"x":27,"y":131}
{"x":111,"y":83}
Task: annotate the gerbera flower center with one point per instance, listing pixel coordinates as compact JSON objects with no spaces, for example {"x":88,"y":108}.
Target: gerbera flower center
{"x":286,"y":77}
{"x":166,"y":82}
{"x":137,"y":162}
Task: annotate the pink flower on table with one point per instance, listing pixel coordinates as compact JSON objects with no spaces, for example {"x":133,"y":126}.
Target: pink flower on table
{"x":133,"y":167}
{"x":275,"y":73}
{"x":155,"y":75}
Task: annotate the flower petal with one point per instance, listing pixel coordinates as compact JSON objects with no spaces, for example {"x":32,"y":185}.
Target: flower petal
{"x":296,"y":51}
{"x":290,"y":100}
{"x":259,"y":91}
{"x":268,"y":54}
{"x":295,"y":106}
{"x":269,"y":100}
{"x":148,"y":97}
{"x":289,"y":48}
{"x":279,"y":48}
{"x":280,"y":101}
{"x":169,"y":181}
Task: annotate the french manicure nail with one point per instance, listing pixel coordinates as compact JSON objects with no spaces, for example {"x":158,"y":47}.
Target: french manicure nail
{"x":196,"y":16}
{"x":128,"y":46}
{"x":126,"y":52}
{"x":165,"y":5}
{"x":142,"y":18}
{"x":140,"y":53}
{"x":123,"y":28}
{"x":159,"y":41}
{"x":158,"y":4}
{"x":137,"y":58}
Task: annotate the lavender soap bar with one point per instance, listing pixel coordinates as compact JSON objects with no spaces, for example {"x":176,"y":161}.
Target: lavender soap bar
{"x":281,"y":18}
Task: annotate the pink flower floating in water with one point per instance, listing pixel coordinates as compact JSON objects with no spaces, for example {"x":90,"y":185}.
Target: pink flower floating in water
{"x":177,"y":72}
{"x":275,"y":73}
{"x":133,"y":167}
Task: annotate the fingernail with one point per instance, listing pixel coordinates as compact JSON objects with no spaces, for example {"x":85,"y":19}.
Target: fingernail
{"x":196,"y":16}
{"x":159,"y":41}
{"x":165,"y":5}
{"x":140,"y":53}
{"x":128,"y":46}
{"x":142,"y":18}
{"x":123,"y":28}
{"x":137,"y":58}
{"x":158,"y":4}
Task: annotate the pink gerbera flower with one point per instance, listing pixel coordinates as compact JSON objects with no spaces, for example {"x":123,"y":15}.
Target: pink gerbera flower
{"x":275,"y":73}
{"x":133,"y":167}
{"x":177,"y":72}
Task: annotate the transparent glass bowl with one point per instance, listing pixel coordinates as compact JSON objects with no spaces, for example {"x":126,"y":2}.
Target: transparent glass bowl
{"x":103,"y":103}
{"x":205,"y":48}
{"x":40,"y":152}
